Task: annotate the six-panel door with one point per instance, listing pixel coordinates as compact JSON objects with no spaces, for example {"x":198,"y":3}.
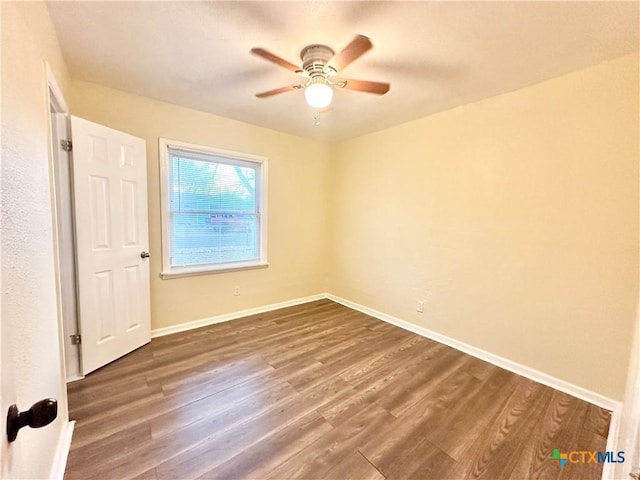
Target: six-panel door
{"x":110,"y":203}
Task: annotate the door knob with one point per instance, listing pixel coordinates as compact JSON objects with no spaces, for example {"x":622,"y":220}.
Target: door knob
{"x":144,"y":255}
{"x":40,"y":414}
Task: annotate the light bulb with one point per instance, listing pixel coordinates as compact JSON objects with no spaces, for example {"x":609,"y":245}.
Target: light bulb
{"x":318,"y":94}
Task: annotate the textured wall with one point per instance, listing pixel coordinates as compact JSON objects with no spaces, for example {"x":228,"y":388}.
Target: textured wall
{"x":515,"y":219}
{"x":297,"y":195}
{"x":31,"y":354}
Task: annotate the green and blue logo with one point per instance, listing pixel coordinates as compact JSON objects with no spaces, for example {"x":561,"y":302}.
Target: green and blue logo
{"x":559,"y":458}
{"x":586,"y":457}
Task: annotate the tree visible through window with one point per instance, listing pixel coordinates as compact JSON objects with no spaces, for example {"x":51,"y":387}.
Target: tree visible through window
{"x":213,"y":206}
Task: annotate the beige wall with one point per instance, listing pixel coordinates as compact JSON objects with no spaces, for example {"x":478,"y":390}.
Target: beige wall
{"x":31,"y":357}
{"x":297,"y":195}
{"x":515,"y":219}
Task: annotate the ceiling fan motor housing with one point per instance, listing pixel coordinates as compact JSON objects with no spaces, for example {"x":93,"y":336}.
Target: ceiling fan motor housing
{"x":314,"y":58}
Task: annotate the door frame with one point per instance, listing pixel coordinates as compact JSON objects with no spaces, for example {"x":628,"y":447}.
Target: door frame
{"x":56,"y":101}
{"x":627,"y":438}
{"x":60,"y":129}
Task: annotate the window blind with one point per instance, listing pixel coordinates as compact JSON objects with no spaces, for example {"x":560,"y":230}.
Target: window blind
{"x":213,"y":208}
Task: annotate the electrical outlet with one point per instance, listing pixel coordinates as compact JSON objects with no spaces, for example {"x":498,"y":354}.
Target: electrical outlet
{"x":236,"y":290}
{"x":420,"y":306}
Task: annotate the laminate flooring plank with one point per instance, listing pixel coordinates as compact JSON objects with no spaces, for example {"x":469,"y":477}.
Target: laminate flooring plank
{"x":216,"y":350}
{"x":569,"y":435}
{"x":387,"y":357}
{"x":83,"y":460}
{"x":480,"y":369}
{"x":251,"y":396}
{"x":324,"y":305}
{"x":218,"y":449}
{"x":417,"y":460}
{"x":116,"y":401}
{"x":319,"y":458}
{"x":249,"y":386}
{"x":80,"y":398}
{"x":225,"y":374}
{"x":496,"y":452}
{"x":110,"y":422}
{"x":249,"y":329}
{"x":354,"y":467}
{"x":174,"y":344}
{"x":367,"y":346}
{"x":255,"y":325}
{"x":598,"y":420}
{"x":278,"y":337}
{"x":257,"y":460}
{"x":402,"y":450}
{"x":311,"y":345}
{"x":114,"y":372}
{"x":458,"y":426}
{"x":341,"y":361}
{"x":302,"y":354}
{"x":188,"y":437}
{"x":284,"y":315}
{"x":417,"y":356}
{"x":148,"y":475}
{"x":163,"y":370}
{"x":389,"y":390}
{"x":406,"y":359}
{"x":533,"y":460}
{"x":414,"y":384}
{"x":96,"y":382}
{"x":314,"y":344}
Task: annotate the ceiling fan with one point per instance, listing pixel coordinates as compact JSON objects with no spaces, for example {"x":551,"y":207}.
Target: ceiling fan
{"x":320,"y":67}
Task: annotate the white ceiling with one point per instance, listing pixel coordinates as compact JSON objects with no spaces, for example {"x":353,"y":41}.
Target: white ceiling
{"x":436,"y":55}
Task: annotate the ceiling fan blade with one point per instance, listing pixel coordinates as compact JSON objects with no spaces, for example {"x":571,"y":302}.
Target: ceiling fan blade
{"x":276,"y":91}
{"x":359,"y":45}
{"x":261,"y":52}
{"x":378,"y":88}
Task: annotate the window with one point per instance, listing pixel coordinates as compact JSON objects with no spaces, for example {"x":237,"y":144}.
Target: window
{"x":213,"y":209}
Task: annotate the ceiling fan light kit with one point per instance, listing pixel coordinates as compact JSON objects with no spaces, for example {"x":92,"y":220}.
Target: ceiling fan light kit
{"x":320,"y":66}
{"x":318,"y":92}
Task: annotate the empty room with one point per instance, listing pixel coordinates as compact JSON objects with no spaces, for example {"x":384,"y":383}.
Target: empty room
{"x":320,"y":240}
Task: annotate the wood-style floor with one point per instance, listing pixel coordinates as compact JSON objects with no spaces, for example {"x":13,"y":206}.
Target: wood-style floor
{"x":319,"y":391}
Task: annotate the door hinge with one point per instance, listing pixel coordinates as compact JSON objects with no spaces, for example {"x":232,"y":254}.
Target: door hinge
{"x":75,"y":339}
{"x":66,"y":145}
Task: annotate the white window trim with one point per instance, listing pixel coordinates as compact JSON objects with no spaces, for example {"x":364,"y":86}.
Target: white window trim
{"x":174,"y":272}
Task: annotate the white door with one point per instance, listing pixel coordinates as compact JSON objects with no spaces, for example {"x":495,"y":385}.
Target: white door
{"x":110,"y":202}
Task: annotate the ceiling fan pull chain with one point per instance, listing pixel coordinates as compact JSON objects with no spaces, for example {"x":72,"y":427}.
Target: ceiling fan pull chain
{"x":316,"y":117}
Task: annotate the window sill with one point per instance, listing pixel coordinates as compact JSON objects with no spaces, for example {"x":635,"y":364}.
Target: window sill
{"x":208,"y":270}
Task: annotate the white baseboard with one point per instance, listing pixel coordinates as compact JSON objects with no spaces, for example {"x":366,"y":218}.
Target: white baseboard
{"x":525,"y":371}
{"x":159,"y":332}
{"x":528,"y":372}
{"x":62,"y":451}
